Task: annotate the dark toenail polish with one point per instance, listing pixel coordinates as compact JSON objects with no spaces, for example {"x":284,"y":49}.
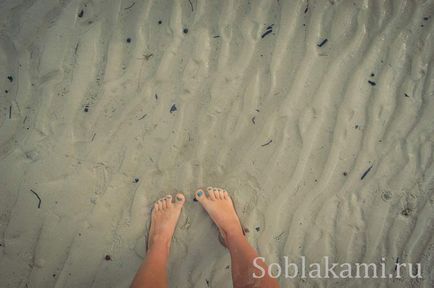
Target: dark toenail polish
{"x":199,"y":193}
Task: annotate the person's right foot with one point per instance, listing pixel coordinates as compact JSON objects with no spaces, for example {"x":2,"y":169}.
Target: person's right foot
{"x":164,"y":217}
{"x":220,"y":208}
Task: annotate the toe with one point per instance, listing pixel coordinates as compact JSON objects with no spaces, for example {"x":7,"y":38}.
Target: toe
{"x":162,"y":204}
{"x":180,"y":199}
{"x":199,"y":195}
{"x":225,"y":194}
{"x":216,"y":193}
{"x":221,"y":194}
{"x":156,"y":207}
{"x":211,"y":193}
{"x":168,"y":200}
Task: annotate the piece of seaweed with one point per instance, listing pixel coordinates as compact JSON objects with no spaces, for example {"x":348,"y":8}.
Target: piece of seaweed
{"x":134,"y":3}
{"x":366,"y":172}
{"x":323,"y":42}
{"x":39,"y":198}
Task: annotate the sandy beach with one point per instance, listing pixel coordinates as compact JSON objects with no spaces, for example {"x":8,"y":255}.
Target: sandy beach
{"x":317,"y":117}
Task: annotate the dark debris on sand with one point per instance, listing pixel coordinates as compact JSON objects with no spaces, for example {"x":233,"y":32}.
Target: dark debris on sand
{"x":267,"y":31}
{"x":37,"y":196}
{"x":269,"y":142}
{"x":366,"y":172}
{"x":406,"y":212}
{"x":323,"y":42}
{"x":129,"y":7}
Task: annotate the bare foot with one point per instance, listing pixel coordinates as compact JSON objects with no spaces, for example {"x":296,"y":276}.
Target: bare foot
{"x":164,"y":217}
{"x":220,"y":208}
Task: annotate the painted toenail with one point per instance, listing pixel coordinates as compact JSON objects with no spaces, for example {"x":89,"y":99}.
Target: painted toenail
{"x":199,"y":193}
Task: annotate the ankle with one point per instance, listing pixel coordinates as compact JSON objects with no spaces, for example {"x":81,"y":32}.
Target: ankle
{"x":159,"y":245}
{"x":233,"y":235}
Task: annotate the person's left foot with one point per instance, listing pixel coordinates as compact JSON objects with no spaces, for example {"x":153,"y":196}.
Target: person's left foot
{"x":164,"y":217}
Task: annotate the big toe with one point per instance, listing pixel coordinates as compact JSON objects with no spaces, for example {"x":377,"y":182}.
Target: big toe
{"x":180,"y":199}
{"x":199,"y":195}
